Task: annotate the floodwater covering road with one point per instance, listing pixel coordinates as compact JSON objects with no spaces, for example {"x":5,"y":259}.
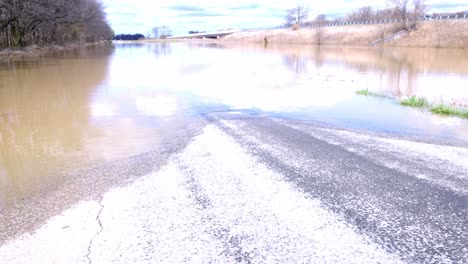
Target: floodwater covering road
{"x":149,"y":170}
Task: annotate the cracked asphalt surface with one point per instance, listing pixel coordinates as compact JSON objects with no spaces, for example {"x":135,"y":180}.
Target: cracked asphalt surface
{"x":235,"y":188}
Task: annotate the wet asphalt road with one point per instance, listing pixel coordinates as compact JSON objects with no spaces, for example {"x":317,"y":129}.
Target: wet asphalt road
{"x":233,"y":188}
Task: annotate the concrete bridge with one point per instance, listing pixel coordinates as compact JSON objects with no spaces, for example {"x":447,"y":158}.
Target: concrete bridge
{"x":211,"y":35}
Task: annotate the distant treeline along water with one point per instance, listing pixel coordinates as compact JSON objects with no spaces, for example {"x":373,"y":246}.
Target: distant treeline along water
{"x":129,"y":37}
{"x":44,"y":22}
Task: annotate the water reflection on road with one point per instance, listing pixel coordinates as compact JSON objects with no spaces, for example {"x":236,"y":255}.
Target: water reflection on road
{"x":61,"y":113}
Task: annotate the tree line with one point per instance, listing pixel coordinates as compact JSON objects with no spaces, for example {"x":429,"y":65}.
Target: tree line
{"x":42,"y":22}
{"x":129,"y":37}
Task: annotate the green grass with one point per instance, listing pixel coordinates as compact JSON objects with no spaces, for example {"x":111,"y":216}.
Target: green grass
{"x":421,"y":102}
{"x":366,"y":92}
{"x":414,"y":101}
{"x":442,"y":109}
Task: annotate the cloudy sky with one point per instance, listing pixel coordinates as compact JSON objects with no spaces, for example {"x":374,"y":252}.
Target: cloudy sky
{"x":139,"y":16}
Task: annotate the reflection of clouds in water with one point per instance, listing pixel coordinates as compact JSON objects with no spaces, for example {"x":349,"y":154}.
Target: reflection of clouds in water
{"x":447,"y":88}
{"x":132,"y":115}
{"x":283,"y":98}
{"x":276,"y":81}
{"x":120,"y":137}
{"x":261,"y":81}
{"x":436,"y":124}
{"x":102,"y":110}
{"x":446,"y":120}
{"x":162,"y":105}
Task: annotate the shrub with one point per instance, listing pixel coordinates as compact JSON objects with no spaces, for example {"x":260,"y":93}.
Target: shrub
{"x":414,"y":101}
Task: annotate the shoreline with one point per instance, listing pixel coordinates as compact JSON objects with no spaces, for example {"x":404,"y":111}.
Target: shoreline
{"x":34,"y":51}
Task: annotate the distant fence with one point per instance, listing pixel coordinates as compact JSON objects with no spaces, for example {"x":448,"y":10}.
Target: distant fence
{"x":382,"y":21}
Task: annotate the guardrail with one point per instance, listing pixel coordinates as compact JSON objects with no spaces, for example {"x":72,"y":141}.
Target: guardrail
{"x":383,"y":21}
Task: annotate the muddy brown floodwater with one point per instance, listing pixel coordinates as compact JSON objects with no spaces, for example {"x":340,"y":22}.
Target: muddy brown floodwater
{"x":62,"y":113}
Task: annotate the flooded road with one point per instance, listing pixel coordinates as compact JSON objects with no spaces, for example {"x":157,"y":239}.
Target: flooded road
{"x":233,"y":153}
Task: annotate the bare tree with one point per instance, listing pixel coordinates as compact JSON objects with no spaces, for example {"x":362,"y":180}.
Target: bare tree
{"x":296,"y":15}
{"x":402,"y":8}
{"x":385,"y":29}
{"x":385,"y":14}
{"x":320,"y":21}
{"x":155,"y":31}
{"x":161,"y":31}
{"x":28,"y":22}
{"x":419,"y":9}
{"x":365,"y":13}
{"x":165,"y":32}
{"x":409,"y":12}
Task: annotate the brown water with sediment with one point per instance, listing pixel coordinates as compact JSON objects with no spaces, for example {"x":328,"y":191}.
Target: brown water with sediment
{"x":62,"y":113}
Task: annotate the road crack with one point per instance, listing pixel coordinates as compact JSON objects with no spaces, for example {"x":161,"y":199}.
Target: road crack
{"x":101,"y":227}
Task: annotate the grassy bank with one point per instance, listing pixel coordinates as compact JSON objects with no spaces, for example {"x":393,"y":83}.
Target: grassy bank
{"x":433,"y":34}
{"x":423,"y":103}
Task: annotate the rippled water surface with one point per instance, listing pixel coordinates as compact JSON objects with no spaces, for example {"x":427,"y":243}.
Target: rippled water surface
{"x":61,"y":113}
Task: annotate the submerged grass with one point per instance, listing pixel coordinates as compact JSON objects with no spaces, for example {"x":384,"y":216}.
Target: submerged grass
{"x":443,"y":109}
{"x":421,"y":102}
{"x":414,"y":101}
{"x":366,"y":92}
